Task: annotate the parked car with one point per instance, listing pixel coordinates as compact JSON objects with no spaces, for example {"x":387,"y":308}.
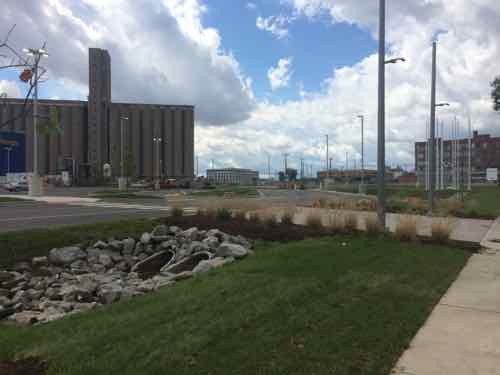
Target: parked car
{"x":16,"y":186}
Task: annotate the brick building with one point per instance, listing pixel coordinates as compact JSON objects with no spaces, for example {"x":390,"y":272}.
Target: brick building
{"x":485,"y":153}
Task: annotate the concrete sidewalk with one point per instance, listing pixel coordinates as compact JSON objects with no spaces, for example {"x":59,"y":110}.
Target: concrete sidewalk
{"x":462,"y":335}
{"x":51,"y":199}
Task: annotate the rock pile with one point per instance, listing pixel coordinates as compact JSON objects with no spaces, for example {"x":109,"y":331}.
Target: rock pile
{"x":79,"y":278}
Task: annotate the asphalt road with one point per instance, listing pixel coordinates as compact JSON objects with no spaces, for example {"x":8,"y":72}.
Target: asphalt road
{"x":29,"y":215}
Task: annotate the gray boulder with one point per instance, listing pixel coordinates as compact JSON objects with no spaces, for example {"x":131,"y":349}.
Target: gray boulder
{"x":40,"y":261}
{"x":207,"y":265}
{"x":192,"y":234}
{"x":66,"y":255}
{"x":227,"y":249}
{"x":186,"y":264}
{"x":100,"y":245}
{"x":105,"y":260}
{"x":154,"y":263}
{"x":174,"y":230}
{"x":110,"y":293}
{"x":212,"y":242}
{"x":115,"y":245}
{"x":145,"y":238}
{"x":159,"y":233}
{"x":128,"y":246}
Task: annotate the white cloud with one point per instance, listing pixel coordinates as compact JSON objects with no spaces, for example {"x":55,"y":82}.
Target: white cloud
{"x":276,"y":25}
{"x":9,"y":88}
{"x":280,"y":75}
{"x":251,"y":6}
{"x":468,"y":55}
{"x":160,"y":51}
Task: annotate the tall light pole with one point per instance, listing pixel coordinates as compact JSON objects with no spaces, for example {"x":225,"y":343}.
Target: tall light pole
{"x":362,"y":118}
{"x":8,"y":149}
{"x":327,"y":157}
{"x":157,"y":141}
{"x":381,"y":114}
{"x":197,"y":174}
{"x":35,"y":188}
{"x":122,"y":180}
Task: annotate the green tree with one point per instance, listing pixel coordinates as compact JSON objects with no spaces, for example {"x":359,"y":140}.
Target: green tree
{"x":495,"y":94}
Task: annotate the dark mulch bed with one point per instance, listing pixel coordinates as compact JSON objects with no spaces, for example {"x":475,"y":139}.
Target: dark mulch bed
{"x":249,"y":229}
{"x":26,"y":366}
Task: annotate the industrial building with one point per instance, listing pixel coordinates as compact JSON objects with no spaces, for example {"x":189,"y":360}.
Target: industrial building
{"x":154,"y":140}
{"x":232,"y":176}
{"x":452,"y":159}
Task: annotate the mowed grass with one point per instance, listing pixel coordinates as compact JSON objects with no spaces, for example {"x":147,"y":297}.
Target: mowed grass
{"x":235,"y":191}
{"x":483,"y":201}
{"x":12,"y":199}
{"x":24,"y":245}
{"x":336,"y":305}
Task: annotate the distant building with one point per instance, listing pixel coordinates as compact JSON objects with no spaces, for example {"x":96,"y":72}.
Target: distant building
{"x":90,"y":134}
{"x":485,"y":153}
{"x":232,"y":176}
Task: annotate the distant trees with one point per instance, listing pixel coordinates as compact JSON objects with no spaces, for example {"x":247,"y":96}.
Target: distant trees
{"x":495,"y":93}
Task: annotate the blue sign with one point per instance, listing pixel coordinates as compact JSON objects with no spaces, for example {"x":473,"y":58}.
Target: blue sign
{"x":12,"y":153}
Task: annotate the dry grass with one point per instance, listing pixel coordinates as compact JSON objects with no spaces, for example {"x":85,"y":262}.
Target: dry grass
{"x":313,"y":221}
{"x":254,"y":217}
{"x":352,"y":204}
{"x":406,"y":229}
{"x":372,"y":225}
{"x":320,"y":203}
{"x":441,"y":230}
{"x":177,"y":212}
{"x":450,"y":206}
{"x":350,"y":222}
{"x":336,"y":222}
{"x":240,"y":215}
{"x":288,"y":215}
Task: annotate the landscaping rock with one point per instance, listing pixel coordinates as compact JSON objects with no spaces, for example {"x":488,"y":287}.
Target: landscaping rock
{"x":128,"y":246}
{"x":72,"y":280}
{"x":145,"y":238}
{"x":227,"y":249}
{"x":207,"y":265}
{"x":40,"y":261}
{"x":154,"y":263}
{"x":66,"y":255}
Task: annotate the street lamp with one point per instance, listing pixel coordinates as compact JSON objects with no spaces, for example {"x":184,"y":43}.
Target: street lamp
{"x":35,"y":188}
{"x":381,"y":114}
{"x":442,"y":105}
{"x":157,"y":141}
{"x":362,"y":186}
{"x":395,"y":60}
{"x":122,"y":180}
{"x":8,"y":149}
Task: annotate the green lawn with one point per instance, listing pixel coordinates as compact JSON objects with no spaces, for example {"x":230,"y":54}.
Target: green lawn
{"x":22,"y":245}
{"x":393,"y":191}
{"x":308,"y":307}
{"x":483,"y":201}
{"x":11,"y":199}
{"x":236,"y":191}
{"x":122,"y":195}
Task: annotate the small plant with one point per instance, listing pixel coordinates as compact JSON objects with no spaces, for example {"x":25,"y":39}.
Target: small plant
{"x":441,"y":231}
{"x":253,"y":217}
{"x":271,"y":221}
{"x":336,"y":223}
{"x":406,"y":229}
{"x":223,"y":214}
{"x":177,"y":212}
{"x":313,"y":221}
{"x":320,"y":203}
{"x":350,"y":222}
{"x":240,"y":215}
{"x":287,"y":218}
{"x":372,"y":225}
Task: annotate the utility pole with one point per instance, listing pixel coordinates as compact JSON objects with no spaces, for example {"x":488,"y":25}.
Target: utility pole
{"x":197,"y":171}
{"x":381,"y":117}
{"x":432,"y":173}
{"x":331,"y":159}
{"x":8,"y":149}
{"x":35,"y":188}
{"x":285,"y":155}
{"x":157,"y":142}
{"x":268,"y":166}
{"x":122,"y":180}
{"x":469,"y":161}
{"x":346,"y":161}
{"x":362,"y":149}
{"x":327,"y":157}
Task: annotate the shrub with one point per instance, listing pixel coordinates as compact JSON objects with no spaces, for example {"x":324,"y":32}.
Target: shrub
{"x":313,"y":221}
{"x":320,"y":203}
{"x":350,"y":222}
{"x":271,"y":220}
{"x":223,"y":214}
{"x":406,"y":229}
{"x":287,"y":218}
{"x":253,"y":217}
{"x":441,"y":230}
{"x":372,"y":225}
{"x":336,"y":223}
{"x":240,"y":215}
{"x":177,"y":212}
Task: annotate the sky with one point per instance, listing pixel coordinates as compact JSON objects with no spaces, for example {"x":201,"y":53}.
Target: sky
{"x":273,"y":77}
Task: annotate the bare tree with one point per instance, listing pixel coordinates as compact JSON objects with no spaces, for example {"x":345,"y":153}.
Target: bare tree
{"x":10,"y":58}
